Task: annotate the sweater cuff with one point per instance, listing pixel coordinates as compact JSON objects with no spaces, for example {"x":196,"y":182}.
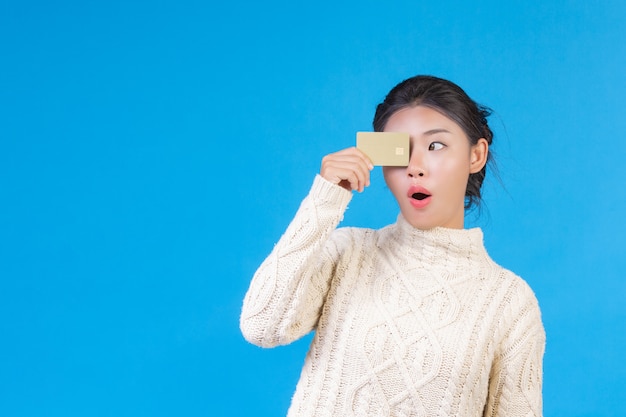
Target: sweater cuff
{"x":327,"y":192}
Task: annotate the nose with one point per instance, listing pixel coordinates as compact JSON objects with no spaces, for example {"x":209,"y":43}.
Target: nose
{"x":416,"y":166}
{"x":415,"y":172}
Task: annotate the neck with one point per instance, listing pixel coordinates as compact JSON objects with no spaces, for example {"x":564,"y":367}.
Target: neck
{"x":454,"y":248}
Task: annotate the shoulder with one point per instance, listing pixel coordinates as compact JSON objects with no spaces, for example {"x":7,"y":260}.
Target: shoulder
{"x":350,"y":235}
{"x":520,"y":313}
{"x":519,"y":289}
{"x":352,"y":238}
{"x":511,"y":296}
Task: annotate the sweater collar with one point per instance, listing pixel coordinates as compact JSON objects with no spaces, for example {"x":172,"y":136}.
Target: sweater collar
{"x":439,"y":245}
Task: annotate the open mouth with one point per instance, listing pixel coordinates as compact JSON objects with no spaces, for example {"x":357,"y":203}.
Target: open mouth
{"x":420,"y":196}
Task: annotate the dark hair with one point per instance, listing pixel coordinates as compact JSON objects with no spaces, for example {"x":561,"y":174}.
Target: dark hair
{"x":450,"y":100}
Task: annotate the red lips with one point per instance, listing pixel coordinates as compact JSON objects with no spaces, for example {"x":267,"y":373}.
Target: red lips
{"x":419,"y":197}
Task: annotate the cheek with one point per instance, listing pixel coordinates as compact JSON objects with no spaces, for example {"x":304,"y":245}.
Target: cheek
{"x":393,"y":178}
{"x":454,"y":168}
{"x":452,"y":177}
{"x":393,"y":172}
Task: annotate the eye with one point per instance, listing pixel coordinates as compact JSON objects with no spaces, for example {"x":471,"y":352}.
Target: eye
{"x":435,"y":146}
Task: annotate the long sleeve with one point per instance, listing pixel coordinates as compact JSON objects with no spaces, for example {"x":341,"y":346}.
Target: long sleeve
{"x":407,"y":322}
{"x":287,"y":292}
{"x":515,"y":387}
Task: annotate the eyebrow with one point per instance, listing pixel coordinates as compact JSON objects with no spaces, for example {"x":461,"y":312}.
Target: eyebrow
{"x":435,"y":131}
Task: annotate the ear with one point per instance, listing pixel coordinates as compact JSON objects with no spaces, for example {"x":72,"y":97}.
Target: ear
{"x":478,"y":155}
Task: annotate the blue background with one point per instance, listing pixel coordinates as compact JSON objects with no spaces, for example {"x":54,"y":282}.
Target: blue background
{"x":151,"y":153}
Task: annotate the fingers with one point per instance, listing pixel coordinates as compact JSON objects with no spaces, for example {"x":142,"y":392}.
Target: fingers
{"x":349,"y":168}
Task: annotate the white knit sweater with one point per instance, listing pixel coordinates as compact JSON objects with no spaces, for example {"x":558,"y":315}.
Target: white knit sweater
{"x":407,"y":322}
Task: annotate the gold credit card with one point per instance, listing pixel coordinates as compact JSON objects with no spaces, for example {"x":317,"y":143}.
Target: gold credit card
{"x":385,"y":148}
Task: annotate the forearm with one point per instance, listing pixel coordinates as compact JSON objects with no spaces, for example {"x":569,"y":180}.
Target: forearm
{"x":288,"y":289}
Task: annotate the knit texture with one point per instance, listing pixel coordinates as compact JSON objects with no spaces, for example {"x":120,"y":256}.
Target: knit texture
{"x":407,"y":322}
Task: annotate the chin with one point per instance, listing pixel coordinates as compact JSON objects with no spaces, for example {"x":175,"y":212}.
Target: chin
{"x":424,"y":226}
{"x":423,"y":221}
{"x":420,"y":222}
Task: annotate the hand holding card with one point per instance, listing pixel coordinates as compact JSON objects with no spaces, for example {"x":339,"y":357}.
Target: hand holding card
{"x":384,"y":148}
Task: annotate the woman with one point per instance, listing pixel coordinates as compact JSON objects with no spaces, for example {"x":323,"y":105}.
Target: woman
{"x":413,"y":319}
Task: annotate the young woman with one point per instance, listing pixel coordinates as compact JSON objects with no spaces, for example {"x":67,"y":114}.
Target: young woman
{"x":413,"y":319}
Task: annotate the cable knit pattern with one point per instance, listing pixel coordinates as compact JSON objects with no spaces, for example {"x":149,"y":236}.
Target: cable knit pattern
{"x":407,"y":322}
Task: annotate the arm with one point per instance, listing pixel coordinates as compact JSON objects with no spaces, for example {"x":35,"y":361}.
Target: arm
{"x":288,"y":290}
{"x":515,"y":387}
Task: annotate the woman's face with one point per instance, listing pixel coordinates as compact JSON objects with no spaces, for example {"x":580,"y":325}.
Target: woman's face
{"x":431,"y":190}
